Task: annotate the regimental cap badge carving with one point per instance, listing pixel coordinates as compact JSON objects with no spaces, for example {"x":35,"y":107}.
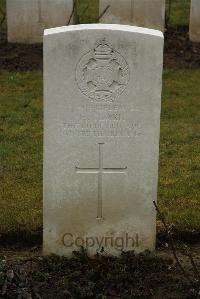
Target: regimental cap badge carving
{"x":102,"y":74}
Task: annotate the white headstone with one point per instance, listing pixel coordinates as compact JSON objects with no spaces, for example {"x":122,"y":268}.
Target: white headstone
{"x":195,"y":21}
{"x":102,"y":98}
{"x":27,"y":19}
{"x":144,"y":13}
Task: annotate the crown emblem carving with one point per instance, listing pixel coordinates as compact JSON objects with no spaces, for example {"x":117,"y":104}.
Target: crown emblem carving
{"x":103,"y":50}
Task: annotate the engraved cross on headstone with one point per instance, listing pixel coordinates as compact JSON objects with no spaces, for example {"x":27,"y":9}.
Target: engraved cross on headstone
{"x":100,"y":171}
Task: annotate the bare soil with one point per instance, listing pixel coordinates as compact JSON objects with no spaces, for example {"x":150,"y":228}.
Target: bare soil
{"x":28,"y":274}
{"x":179,"y":51}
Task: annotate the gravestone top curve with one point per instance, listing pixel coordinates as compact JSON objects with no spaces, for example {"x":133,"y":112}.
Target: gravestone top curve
{"x":116,"y":27}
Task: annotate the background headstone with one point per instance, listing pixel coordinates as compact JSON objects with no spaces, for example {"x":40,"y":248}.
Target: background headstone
{"x":119,"y":12}
{"x":195,"y":21}
{"x":102,"y":98}
{"x":144,"y":13}
{"x":27,"y":19}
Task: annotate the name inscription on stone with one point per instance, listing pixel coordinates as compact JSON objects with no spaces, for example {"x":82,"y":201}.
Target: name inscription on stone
{"x":99,"y":120}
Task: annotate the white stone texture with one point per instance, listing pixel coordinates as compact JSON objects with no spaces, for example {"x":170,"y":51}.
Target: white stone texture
{"x":144,"y":13}
{"x":102,"y":101}
{"x":27,"y":19}
{"x":195,"y":21}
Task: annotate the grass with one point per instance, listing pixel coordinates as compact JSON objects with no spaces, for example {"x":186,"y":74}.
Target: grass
{"x":21,"y":150}
{"x":87,"y":11}
{"x":180,"y":12}
{"x":179,"y":172}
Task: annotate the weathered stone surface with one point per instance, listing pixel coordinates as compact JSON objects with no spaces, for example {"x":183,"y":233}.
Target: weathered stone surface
{"x":27,"y":19}
{"x":144,"y":13}
{"x":195,"y":21}
{"x":102,"y":98}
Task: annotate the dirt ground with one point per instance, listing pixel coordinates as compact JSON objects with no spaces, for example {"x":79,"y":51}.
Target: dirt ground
{"x":179,"y":52}
{"x":27,"y":274}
